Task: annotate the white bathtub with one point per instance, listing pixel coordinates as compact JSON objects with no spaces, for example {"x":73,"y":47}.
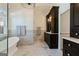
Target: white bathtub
{"x":12,"y":42}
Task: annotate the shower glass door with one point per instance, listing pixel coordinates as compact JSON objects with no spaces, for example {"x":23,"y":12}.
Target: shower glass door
{"x":3,"y":30}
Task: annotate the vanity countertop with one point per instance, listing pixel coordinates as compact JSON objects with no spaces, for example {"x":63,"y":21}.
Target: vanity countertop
{"x":50,"y":33}
{"x":76,"y":40}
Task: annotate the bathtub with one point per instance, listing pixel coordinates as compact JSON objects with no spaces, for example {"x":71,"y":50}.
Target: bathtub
{"x":12,"y":48}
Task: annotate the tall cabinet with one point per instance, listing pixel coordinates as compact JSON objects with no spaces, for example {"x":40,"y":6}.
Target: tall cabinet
{"x":51,"y":34}
{"x":71,"y":44}
{"x":74,"y":20}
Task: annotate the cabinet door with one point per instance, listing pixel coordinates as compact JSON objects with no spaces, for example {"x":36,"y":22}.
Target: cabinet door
{"x":75,"y":14}
{"x":74,"y":22}
{"x":47,"y":38}
{"x":54,"y":41}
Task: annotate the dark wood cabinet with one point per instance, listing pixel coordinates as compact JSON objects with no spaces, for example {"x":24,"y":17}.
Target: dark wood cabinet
{"x":74,"y":20}
{"x":51,"y":34}
{"x":51,"y":40}
{"x":70,"y":48}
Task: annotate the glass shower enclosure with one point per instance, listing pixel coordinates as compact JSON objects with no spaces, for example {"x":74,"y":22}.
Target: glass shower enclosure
{"x":16,"y":23}
{"x":3,"y":29}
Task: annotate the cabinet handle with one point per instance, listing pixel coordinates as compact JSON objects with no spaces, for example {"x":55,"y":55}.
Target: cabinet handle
{"x":69,"y":45}
{"x":68,"y":54}
{"x":76,"y":33}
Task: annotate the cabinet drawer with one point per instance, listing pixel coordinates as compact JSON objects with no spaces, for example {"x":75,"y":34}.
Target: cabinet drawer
{"x":66,"y":53}
{"x":74,"y":34}
{"x":67,"y":44}
{"x":70,"y":48}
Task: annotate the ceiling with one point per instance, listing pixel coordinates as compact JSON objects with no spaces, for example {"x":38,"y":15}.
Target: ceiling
{"x":43,"y":7}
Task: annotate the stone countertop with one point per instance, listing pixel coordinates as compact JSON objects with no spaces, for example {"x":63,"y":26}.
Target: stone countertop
{"x":76,"y":40}
{"x":50,"y":33}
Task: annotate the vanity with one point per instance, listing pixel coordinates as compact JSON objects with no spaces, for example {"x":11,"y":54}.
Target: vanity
{"x":51,"y":34}
{"x":70,"y":46}
{"x":51,"y":39}
{"x":71,"y":43}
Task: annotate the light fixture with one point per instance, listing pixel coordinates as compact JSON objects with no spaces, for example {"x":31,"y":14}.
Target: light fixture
{"x":28,"y":4}
{"x":49,"y":20}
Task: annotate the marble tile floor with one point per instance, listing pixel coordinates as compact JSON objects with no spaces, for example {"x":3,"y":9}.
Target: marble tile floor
{"x":38,"y":48}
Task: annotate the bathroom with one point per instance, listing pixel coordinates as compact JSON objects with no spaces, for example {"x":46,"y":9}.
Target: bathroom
{"x":22,"y":27}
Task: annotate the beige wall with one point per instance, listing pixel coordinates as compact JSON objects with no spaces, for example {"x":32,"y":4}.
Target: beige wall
{"x":39,"y":20}
{"x":64,"y":26}
{"x":40,"y":12}
{"x":65,"y":22}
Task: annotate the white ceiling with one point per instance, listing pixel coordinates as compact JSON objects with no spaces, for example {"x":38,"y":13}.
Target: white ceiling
{"x":43,"y":7}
